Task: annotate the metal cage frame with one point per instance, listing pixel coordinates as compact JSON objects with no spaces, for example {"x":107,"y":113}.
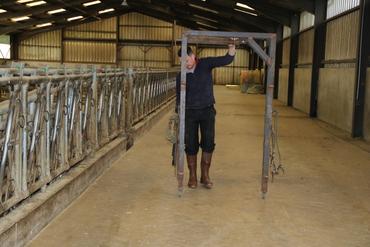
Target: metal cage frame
{"x":224,"y":38}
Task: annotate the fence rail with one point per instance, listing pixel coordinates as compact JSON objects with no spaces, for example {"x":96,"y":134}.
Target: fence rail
{"x":51,"y":119}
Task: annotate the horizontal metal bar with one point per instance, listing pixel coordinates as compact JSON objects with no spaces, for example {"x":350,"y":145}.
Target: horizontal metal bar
{"x":257,"y":48}
{"x":197,"y":36}
{"x":338,"y":61}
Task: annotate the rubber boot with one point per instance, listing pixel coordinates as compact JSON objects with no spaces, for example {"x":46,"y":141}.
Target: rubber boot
{"x":205,"y":165}
{"x":192,"y":165}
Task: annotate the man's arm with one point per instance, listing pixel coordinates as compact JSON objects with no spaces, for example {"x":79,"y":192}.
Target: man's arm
{"x":214,"y":62}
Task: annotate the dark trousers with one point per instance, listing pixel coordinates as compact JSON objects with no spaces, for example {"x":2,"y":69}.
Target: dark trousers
{"x":203,"y":119}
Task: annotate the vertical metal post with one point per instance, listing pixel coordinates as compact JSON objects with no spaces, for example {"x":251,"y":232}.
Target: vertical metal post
{"x":279,"y":58}
{"x":173,"y":44}
{"x":47,"y":126}
{"x":122,"y":119}
{"x":268,"y":115}
{"x":24,"y":135}
{"x":17,"y":173}
{"x":251,"y":61}
{"x":14,"y":49}
{"x":255,"y":61}
{"x":117,"y":40}
{"x":181,"y":149}
{"x":166,"y":88}
{"x":65,"y":151}
{"x":294,"y":42}
{"x":43,"y":152}
{"x":146,"y":94}
{"x":363,"y":52}
{"x":62,"y":46}
{"x":318,"y":52}
{"x":94,"y":112}
{"x":129,"y":108}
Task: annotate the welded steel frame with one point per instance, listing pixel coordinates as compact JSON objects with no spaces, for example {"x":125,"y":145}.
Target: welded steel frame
{"x":51,"y":118}
{"x":224,"y":38}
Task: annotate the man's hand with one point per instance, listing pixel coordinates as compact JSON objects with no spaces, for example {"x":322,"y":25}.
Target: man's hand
{"x":232,"y":49}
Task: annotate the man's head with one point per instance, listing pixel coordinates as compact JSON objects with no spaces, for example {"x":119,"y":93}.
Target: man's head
{"x":190,"y":58}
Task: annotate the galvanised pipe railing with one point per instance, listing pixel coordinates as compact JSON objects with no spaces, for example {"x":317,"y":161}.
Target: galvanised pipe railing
{"x":54,"y":118}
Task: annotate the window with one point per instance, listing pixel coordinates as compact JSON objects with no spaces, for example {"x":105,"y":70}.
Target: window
{"x":306,"y":20}
{"x":286,"y":32}
{"x":4,"y":47}
{"x":336,"y":7}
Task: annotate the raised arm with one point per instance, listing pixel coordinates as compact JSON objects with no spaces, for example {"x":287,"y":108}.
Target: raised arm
{"x":214,"y":62}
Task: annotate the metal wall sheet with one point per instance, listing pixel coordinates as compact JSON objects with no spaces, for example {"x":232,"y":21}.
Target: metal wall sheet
{"x":342,"y":37}
{"x":283,"y":85}
{"x":136,"y":26}
{"x":367,"y":108}
{"x":241,"y":58}
{"x":206,"y":52}
{"x":137,"y":19}
{"x":102,"y":29}
{"x":336,"y":7}
{"x":305,"y":50}
{"x":44,"y":46}
{"x":159,"y":54}
{"x":157,"y":64}
{"x":145,"y":33}
{"x":51,"y":38}
{"x":336,"y":97}
{"x":302,"y":89}
{"x":89,"y":52}
{"x":132,"y":53}
{"x":286,"y":52}
{"x":144,"y":56}
{"x":224,"y":75}
{"x":179,"y":30}
{"x":306,"y":20}
{"x":132,"y":64}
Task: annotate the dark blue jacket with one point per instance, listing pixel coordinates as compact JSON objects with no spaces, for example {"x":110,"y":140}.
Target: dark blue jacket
{"x":199,"y":85}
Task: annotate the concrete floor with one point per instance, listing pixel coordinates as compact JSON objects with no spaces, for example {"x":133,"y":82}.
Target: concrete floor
{"x":322,"y":200}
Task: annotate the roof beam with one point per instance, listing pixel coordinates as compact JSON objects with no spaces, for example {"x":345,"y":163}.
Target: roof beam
{"x":204,"y":17}
{"x":247,"y":22}
{"x":163,"y":14}
{"x":93,"y":11}
{"x":229,"y":13}
{"x":274,"y":13}
{"x":38,"y":10}
{"x":295,"y":5}
{"x":30,"y":33}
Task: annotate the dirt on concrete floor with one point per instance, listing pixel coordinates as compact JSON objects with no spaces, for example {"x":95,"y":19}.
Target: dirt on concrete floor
{"x":322,"y":199}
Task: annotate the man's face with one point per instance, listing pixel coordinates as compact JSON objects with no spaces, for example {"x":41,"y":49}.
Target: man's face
{"x":190,"y":61}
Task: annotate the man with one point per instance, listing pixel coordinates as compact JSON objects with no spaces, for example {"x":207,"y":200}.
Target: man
{"x":200,"y":112}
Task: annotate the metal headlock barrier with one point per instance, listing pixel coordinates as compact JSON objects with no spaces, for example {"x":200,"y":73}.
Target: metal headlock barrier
{"x":51,"y":119}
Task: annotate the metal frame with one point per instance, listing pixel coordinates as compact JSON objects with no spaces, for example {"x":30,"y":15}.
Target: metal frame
{"x":363,"y":52}
{"x":224,"y":38}
{"x":293,"y":56}
{"x":54,"y":118}
{"x":318,"y":52}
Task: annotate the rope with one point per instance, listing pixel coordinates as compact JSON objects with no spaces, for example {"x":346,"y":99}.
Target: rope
{"x":172,"y":129}
{"x":275,"y":155}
